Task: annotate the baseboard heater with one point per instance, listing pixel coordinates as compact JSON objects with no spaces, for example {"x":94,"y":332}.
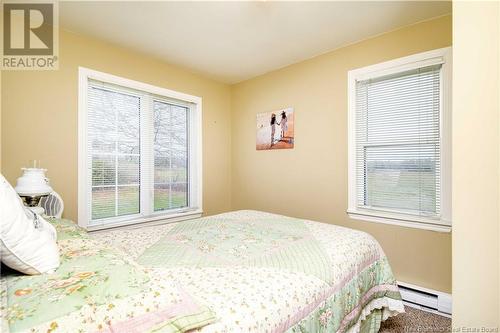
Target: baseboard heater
{"x":426,"y":298}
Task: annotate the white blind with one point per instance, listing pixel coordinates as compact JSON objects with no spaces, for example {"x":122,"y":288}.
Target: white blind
{"x":114,"y":150}
{"x":398,"y":156}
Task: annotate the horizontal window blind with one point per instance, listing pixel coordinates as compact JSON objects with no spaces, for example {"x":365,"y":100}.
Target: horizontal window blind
{"x":113,"y":150}
{"x":139,"y":160}
{"x":398,"y":157}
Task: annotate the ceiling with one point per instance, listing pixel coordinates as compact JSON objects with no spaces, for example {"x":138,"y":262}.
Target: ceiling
{"x":235,"y":41}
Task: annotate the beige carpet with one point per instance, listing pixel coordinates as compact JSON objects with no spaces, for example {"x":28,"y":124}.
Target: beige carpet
{"x":416,"y":321}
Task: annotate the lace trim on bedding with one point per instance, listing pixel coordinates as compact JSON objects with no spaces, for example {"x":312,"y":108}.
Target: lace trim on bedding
{"x":390,"y":307}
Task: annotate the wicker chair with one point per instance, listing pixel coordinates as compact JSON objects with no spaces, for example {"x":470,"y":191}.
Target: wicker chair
{"x":53,"y":205}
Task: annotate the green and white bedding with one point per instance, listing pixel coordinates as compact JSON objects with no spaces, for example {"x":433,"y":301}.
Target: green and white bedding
{"x":243,"y":271}
{"x":262,"y":272}
{"x":96,"y":289}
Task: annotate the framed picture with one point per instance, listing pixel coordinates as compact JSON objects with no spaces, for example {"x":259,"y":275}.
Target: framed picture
{"x":275,"y":130}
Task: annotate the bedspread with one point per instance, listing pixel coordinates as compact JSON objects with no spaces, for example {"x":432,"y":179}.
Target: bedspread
{"x":97,"y":288}
{"x":261,"y":272}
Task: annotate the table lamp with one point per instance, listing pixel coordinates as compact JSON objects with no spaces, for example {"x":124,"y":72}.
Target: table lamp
{"x":32,"y":186}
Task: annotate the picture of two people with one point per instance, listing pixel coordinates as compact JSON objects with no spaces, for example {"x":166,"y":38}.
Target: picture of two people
{"x":275,"y":129}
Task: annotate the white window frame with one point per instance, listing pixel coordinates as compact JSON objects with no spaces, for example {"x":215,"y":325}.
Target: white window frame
{"x":440,"y":56}
{"x":195,"y":154}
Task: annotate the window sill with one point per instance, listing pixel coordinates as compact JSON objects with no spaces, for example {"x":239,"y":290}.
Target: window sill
{"x":401,"y":220}
{"x":147,"y":221}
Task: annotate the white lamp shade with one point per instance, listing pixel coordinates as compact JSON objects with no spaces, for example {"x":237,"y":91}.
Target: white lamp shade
{"x":33,"y":183}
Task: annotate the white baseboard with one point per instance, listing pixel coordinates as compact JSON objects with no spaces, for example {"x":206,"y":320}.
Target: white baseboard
{"x":426,"y":299}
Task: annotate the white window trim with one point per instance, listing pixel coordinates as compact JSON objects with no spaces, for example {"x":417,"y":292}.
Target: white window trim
{"x":84,"y":74}
{"x":440,"y":56}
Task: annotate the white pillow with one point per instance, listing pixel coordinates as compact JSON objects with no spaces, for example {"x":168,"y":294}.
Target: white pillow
{"x":23,"y":247}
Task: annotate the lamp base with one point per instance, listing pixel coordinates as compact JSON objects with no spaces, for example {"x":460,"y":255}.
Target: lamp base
{"x":32,"y":200}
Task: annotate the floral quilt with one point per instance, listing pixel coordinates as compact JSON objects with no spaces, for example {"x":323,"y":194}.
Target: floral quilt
{"x":97,"y":289}
{"x":260,"y":272}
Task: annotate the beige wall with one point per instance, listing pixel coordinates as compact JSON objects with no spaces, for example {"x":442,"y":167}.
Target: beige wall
{"x":39,"y":116}
{"x":310,"y":181}
{"x":476,"y":74}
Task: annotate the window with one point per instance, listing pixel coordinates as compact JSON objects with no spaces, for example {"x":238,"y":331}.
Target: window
{"x":399,"y":141}
{"x":139,"y":152}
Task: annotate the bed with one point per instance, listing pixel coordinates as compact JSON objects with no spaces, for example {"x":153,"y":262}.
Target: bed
{"x":243,"y":271}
